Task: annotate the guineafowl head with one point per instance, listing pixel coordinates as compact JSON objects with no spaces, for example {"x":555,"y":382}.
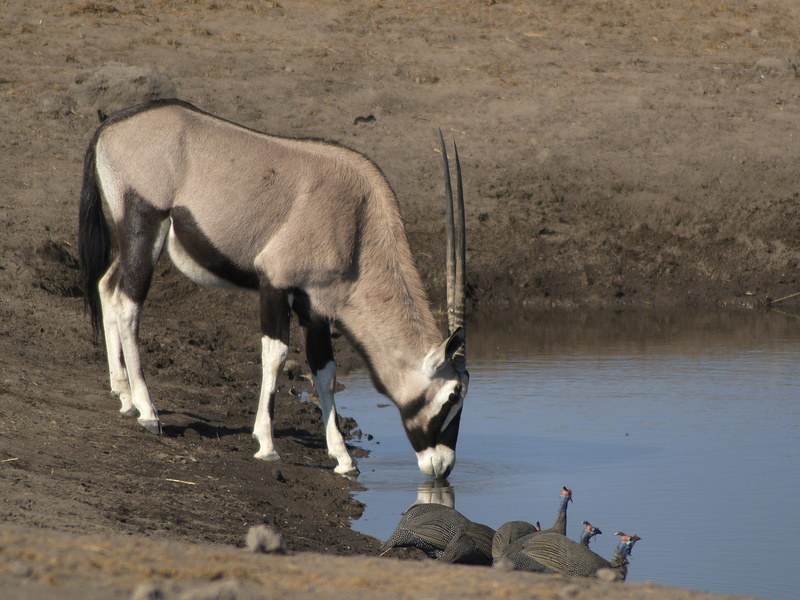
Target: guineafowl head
{"x":589,"y":531}
{"x":565,"y":497}
{"x":626,"y":542}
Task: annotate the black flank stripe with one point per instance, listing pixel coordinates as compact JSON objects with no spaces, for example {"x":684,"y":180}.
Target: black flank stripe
{"x":205,"y":253}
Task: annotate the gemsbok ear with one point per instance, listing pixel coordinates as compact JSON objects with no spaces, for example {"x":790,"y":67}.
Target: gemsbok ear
{"x":444,"y":353}
{"x":454,"y":342}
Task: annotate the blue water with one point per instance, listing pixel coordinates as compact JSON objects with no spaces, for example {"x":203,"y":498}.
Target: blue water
{"x":681,"y":428}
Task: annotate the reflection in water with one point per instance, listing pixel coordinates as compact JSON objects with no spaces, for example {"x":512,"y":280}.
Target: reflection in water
{"x":436,"y":491}
{"x":663,"y":424}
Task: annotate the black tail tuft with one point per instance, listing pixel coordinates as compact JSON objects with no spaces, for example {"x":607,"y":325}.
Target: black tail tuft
{"x":94,"y":238}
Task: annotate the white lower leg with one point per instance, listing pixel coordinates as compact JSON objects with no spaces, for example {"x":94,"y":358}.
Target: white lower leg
{"x":273,"y":355}
{"x":325,"y":381}
{"x":128,"y":334}
{"x":116,"y":367}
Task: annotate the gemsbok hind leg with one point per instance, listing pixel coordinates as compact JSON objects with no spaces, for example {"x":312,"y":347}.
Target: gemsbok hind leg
{"x":275,"y":314}
{"x":319,"y":350}
{"x":120,"y":386}
{"x":123,"y":290}
{"x":121,"y":316}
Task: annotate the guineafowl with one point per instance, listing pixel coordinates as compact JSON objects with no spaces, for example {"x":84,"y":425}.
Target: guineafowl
{"x":508,"y":532}
{"x":444,"y":533}
{"x":512,"y":531}
{"x":555,"y":553}
{"x":589,"y":531}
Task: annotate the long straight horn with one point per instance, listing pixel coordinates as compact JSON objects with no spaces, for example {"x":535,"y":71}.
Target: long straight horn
{"x":450,"y":250}
{"x":460,"y":295}
{"x":456,"y":252}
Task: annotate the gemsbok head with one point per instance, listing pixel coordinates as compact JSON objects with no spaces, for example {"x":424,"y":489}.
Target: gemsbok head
{"x":313,"y":227}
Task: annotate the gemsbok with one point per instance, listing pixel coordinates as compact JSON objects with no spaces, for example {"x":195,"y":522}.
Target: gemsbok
{"x":313,"y":227}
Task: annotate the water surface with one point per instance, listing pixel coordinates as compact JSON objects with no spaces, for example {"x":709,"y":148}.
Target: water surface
{"x":683,"y":428}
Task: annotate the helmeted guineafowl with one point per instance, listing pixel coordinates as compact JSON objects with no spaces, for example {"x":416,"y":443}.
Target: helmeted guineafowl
{"x":508,"y":532}
{"x":589,"y":531}
{"x":512,"y":531}
{"x":555,"y":553}
{"x":444,"y":533}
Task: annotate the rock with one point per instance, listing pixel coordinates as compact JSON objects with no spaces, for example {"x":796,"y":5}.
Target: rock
{"x":261,"y":538}
{"x":113,"y":86}
{"x":503,"y":564}
{"x":607,"y":575}
{"x":55,"y":107}
{"x":775,"y":64}
{"x":229,"y":589}
{"x":292,"y":369}
{"x":147,"y":591}
{"x":19,"y":569}
{"x":569,"y":591}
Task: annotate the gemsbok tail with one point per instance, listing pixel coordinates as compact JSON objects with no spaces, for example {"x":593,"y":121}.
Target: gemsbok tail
{"x":94,"y":238}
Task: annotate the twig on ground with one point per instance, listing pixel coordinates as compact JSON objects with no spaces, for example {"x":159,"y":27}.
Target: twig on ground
{"x":770,"y":302}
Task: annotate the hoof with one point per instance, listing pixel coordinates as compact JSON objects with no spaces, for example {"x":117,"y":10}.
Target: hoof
{"x":350,"y":472}
{"x":268,"y":456}
{"x":152,"y":425}
{"x":129,"y":412}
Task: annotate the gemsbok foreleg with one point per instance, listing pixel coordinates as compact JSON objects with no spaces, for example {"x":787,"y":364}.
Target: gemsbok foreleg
{"x":319,"y":350}
{"x":275,"y":314}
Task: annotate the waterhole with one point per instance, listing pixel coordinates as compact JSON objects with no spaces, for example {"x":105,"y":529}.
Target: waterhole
{"x":681,"y":427}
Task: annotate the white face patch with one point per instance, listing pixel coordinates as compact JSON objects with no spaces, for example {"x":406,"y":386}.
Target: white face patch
{"x":452,"y":414}
{"x":443,"y":397}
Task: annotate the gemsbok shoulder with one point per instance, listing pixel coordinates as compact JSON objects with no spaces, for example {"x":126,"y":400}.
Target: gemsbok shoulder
{"x":313,"y":227}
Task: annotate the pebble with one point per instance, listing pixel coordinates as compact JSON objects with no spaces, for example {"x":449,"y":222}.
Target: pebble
{"x":261,"y":538}
{"x":503,"y":564}
{"x":607,"y":575}
{"x":292,"y":369}
{"x":230,"y":589}
{"x":570,"y":591}
{"x":19,"y":569}
{"x":147,"y":591}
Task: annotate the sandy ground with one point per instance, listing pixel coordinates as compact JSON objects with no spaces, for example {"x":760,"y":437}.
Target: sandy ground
{"x":616,"y":154}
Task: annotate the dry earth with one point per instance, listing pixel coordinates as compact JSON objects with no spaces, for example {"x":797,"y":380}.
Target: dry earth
{"x":620,"y":154}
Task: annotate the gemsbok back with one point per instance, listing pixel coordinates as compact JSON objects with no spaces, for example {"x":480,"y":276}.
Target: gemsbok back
{"x":313,"y":227}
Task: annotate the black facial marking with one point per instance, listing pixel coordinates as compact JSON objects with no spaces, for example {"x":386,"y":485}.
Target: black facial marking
{"x":412,"y":409}
{"x":449,"y":436}
{"x":431,"y":435}
{"x":205,"y":253}
{"x":418,"y":438}
{"x":438,"y":420}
